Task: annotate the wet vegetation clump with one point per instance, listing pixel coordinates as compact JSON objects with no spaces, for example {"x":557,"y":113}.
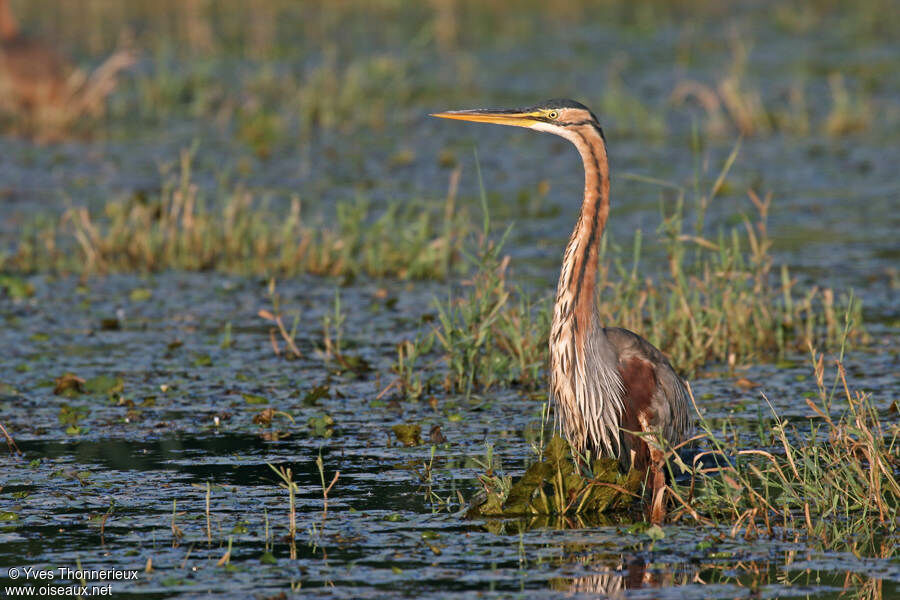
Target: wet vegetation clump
{"x":557,"y":485}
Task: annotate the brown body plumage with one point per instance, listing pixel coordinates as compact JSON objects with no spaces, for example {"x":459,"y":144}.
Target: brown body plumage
{"x":609,"y":385}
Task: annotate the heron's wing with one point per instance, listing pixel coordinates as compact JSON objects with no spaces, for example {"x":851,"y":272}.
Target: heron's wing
{"x":655,"y":394}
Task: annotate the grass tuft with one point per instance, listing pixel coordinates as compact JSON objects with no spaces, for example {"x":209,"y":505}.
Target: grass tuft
{"x":178,"y":230}
{"x":832,"y":478}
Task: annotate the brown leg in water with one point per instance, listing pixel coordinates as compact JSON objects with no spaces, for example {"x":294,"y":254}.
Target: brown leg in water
{"x":657,"y":478}
{"x":657,"y":508}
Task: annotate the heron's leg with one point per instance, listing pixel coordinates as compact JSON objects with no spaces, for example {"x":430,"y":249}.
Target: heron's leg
{"x":657,"y":508}
{"x":657,"y":478}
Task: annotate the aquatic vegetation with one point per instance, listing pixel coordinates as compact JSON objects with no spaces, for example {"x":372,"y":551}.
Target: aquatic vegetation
{"x":287,"y":477}
{"x":837,"y":481}
{"x":45,"y":98}
{"x":557,"y":485}
{"x":736,"y":103}
{"x":275,"y":316}
{"x":325,"y":489}
{"x":178,"y":230}
{"x":492,"y":335}
{"x":732,"y":97}
{"x":720,"y":301}
{"x":850,"y":112}
{"x":408,"y":434}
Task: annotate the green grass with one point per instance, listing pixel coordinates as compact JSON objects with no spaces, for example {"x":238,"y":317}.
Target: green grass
{"x":179,"y":229}
{"x":832,"y":478}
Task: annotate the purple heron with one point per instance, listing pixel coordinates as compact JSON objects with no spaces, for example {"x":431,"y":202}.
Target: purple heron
{"x":609,"y":385}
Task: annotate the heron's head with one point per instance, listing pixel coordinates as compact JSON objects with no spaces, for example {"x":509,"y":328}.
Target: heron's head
{"x":561,"y":117}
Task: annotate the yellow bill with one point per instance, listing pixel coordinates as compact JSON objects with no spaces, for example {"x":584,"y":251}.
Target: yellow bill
{"x":500,"y":117}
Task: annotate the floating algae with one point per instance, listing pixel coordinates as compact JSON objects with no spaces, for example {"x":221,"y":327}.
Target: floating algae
{"x":555,"y":486}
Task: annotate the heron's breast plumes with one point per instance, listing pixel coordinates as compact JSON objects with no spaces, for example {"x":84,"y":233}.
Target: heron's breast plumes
{"x":585,"y":384}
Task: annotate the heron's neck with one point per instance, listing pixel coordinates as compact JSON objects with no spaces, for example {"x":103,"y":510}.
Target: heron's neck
{"x":575,"y":294}
{"x":9,"y":28}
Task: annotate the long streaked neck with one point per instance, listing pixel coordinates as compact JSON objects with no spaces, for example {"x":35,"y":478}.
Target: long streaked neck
{"x":575,"y":294}
{"x":9,"y":28}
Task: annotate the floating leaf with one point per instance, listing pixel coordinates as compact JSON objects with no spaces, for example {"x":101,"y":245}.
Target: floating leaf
{"x":104,"y":384}
{"x":655,"y":533}
{"x":140,"y":294}
{"x":745,"y":383}
{"x":314,"y":395}
{"x":265,"y":417}
{"x":268,"y":558}
{"x":71,"y":415}
{"x":16,"y":287}
{"x":203,"y":360}
{"x":110,"y":324}
{"x":254,"y":399}
{"x":355,"y":364}
{"x":394,"y":517}
{"x":409,"y":435}
{"x":322,"y":425}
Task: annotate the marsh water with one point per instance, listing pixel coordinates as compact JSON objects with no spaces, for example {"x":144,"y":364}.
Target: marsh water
{"x":162,"y":463}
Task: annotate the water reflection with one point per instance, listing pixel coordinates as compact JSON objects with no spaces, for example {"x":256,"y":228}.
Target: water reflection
{"x":724,"y":578}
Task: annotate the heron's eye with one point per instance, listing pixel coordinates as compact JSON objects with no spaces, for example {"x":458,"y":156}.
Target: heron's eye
{"x":552,"y":114}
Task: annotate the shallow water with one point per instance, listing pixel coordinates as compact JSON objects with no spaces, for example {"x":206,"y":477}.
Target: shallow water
{"x":102,"y":473}
{"x":138,"y":451}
